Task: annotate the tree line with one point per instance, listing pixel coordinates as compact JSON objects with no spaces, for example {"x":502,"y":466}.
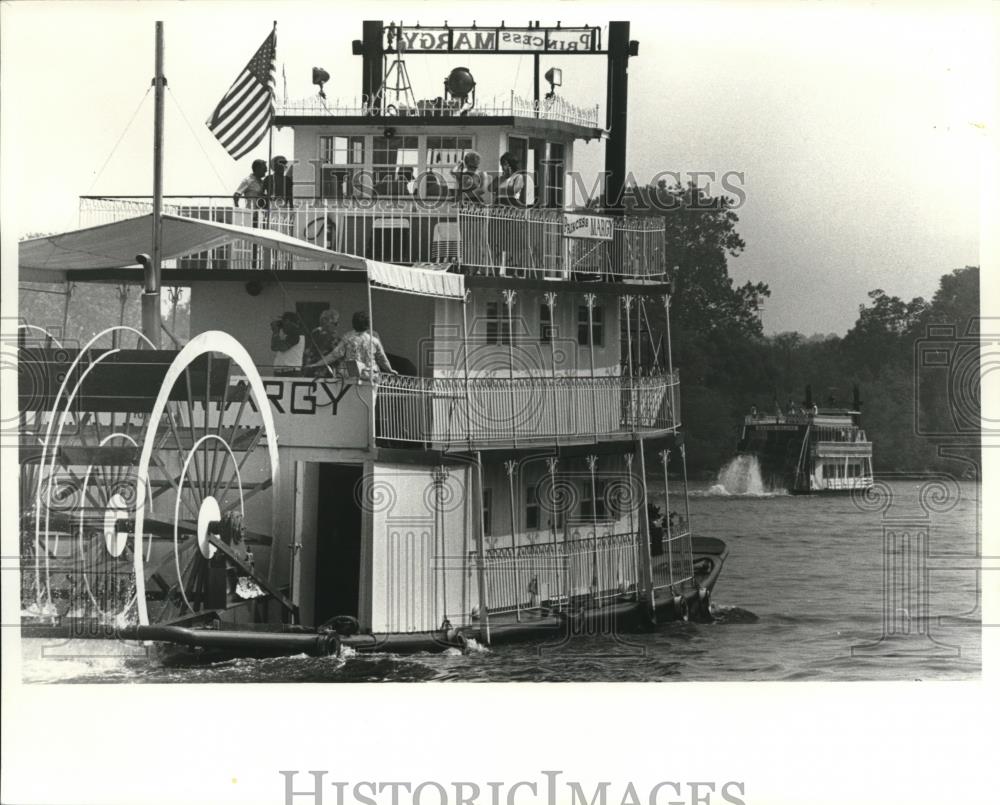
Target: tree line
{"x":916,"y":361}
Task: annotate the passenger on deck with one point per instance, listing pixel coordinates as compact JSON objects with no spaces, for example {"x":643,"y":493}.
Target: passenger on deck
{"x":278,"y":186}
{"x":362,"y":348}
{"x":655,"y":529}
{"x":320,"y":343}
{"x":287,"y":344}
{"x":509,"y":187}
{"x":470,"y":180}
{"x":252,"y":188}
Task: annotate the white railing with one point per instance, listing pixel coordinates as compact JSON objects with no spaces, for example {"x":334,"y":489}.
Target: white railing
{"x":529,"y":242}
{"x":558,"y":573}
{"x":846,"y":484}
{"x":493,"y":240}
{"x":451,"y":411}
{"x":511,"y":105}
{"x":677,"y":550}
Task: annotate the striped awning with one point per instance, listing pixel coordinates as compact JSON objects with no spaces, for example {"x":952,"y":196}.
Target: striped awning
{"x":421,"y":281}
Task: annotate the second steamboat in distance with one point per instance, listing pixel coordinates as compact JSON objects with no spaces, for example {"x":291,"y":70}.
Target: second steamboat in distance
{"x":495,"y":488}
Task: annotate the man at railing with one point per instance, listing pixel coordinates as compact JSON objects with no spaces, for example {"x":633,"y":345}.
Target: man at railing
{"x":252,"y":188}
{"x":278,"y":185}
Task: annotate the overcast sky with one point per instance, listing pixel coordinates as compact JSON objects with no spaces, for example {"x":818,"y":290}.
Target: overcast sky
{"x":860,"y":128}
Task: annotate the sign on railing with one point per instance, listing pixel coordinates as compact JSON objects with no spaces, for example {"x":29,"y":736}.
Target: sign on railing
{"x":591,"y":227}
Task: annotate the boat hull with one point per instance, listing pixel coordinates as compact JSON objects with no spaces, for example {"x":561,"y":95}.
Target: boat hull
{"x":179,"y":645}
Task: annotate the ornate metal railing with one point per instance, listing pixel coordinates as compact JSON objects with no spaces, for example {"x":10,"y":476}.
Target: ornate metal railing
{"x":450,"y":411}
{"x":593,"y":565}
{"x":558,"y":573}
{"x":473,"y":238}
{"x":551,"y":109}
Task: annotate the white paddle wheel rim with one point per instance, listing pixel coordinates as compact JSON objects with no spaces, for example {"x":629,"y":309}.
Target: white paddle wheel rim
{"x":208,"y":512}
{"x":114,"y":540}
{"x":46,"y":443}
{"x":48,"y":335}
{"x":202,"y":344}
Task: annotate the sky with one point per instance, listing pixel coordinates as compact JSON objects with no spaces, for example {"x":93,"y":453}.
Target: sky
{"x":861,"y":130}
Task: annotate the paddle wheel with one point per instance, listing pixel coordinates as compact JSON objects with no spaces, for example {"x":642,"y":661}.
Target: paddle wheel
{"x":141,"y":472}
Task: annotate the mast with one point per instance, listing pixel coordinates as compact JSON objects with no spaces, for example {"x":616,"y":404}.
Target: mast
{"x":151,"y":324}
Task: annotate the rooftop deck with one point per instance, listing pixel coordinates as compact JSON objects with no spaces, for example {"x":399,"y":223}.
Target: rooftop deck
{"x":553,"y":109}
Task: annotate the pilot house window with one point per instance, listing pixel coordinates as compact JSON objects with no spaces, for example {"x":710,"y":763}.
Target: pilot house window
{"x":443,"y":155}
{"x":342,"y":158}
{"x":395,"y":161}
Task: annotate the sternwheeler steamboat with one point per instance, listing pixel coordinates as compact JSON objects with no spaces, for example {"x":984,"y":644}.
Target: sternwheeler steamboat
{"x":486,"y":479}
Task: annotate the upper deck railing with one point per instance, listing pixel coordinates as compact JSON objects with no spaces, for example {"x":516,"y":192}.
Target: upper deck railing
{"x":455,"y":411}
{"x":471,"y":238}
{"x":550,"y":109}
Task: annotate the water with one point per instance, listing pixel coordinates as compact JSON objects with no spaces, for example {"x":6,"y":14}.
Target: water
{"x":741,"y":476}
{"x":801,"y":597}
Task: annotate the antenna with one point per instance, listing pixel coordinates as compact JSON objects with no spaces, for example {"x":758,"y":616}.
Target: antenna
{"x":396,"y":94}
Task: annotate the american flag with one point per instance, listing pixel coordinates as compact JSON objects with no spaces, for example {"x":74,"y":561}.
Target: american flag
{"x":244,"y":114}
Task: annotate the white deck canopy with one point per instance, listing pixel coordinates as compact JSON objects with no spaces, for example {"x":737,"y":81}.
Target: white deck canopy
{"x":55,"y":258}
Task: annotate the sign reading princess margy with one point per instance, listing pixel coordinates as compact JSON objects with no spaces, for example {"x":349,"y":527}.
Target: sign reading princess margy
{"x":487,"y":40}
{"x":589,"y":227}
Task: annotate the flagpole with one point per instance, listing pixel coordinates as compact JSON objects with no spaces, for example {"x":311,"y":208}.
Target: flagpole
{"x":151,"y":322}
{"x":269,"y":193}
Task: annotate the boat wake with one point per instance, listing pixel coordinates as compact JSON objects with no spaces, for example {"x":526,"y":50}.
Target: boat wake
{"x":725,"y":614}
{"x":741,"y":478}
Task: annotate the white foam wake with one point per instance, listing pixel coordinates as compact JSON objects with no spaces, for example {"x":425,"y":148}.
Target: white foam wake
{"x":742,"y":477}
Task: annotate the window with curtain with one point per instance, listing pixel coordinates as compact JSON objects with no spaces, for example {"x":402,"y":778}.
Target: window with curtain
{"x":342,"y":158}
{"x":442,"y":155}
{"x":395,"y":163}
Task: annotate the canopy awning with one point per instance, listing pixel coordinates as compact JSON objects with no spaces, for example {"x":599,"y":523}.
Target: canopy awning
{"x":421,"y":281}
{"x":54,"y":258}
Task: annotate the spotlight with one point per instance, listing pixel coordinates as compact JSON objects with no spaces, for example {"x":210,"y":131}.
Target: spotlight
{"x":554,"y":76}
{"x":320,"y":77}
{"x":461,"y":86}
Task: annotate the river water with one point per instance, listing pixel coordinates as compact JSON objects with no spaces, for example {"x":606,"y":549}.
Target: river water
{"x":802,"y":597}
